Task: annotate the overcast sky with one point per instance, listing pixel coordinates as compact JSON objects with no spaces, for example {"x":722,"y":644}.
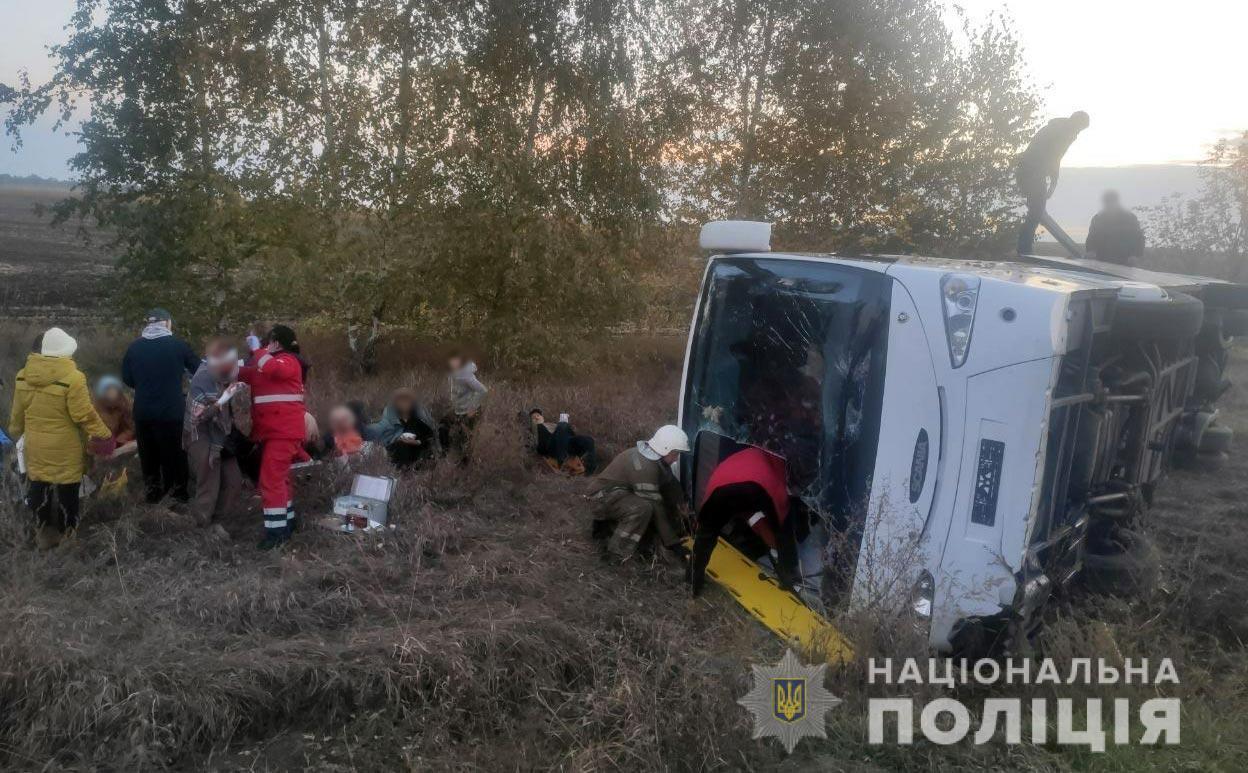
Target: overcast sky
{"x":1162,"y":79}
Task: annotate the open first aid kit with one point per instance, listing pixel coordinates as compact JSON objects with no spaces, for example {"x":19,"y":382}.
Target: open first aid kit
{"x":366,"y":508}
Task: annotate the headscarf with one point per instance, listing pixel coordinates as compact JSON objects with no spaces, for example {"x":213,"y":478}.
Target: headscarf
{"x":106,"y":383}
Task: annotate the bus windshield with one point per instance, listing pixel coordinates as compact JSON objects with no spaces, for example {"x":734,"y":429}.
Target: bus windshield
{"x":789,"y":355}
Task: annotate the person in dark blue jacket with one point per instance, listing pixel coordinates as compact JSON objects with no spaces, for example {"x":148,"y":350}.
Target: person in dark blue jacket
{"x":153,"y":367}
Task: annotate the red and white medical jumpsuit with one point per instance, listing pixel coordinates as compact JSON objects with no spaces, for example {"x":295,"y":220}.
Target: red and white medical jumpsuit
{"x":277,"y":409}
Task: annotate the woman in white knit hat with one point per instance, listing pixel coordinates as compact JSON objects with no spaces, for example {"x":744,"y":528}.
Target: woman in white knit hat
{"x":52,"y":409}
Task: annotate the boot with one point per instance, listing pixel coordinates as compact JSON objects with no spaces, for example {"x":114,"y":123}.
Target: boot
{"x":601,"y":529}
{"x":47,"y":536}
{"x":273,"y":541}
{"x":671,"y":561}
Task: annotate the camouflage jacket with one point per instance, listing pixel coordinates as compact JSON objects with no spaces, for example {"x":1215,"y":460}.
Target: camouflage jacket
{"x":649,"y":479}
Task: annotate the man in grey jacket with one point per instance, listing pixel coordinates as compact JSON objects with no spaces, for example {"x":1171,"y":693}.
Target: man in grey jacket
{"x":210,"y":407}
{"x":467,"y":396}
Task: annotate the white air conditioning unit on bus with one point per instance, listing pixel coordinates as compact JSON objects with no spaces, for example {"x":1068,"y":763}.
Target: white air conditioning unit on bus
{"x":736,"y":236}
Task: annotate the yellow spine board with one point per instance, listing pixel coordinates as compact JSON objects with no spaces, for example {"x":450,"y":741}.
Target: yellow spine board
{"x":781,"y":611}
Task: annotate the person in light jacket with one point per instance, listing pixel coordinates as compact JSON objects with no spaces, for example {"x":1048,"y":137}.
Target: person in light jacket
{"x":467,"y":397}
{"x":206,"y":431}
{"x":52,"y":410}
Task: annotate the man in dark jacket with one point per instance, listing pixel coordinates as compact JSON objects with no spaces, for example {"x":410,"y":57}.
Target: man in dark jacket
{"x":1038,"y":169}
{"x":1115,"y":235}
{"x":153,"y":367}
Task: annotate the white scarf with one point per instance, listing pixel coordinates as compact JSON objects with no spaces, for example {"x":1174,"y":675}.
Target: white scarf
{"x":156,"y":330}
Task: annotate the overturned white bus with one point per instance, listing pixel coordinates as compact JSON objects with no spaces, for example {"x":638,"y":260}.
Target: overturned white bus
{"x":963,"y":438}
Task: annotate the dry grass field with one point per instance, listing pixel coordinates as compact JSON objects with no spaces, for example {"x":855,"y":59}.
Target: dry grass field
{"x":484,"y":632}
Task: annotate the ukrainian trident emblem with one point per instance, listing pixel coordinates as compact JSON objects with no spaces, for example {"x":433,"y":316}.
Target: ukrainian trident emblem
{"x":789,"y":701}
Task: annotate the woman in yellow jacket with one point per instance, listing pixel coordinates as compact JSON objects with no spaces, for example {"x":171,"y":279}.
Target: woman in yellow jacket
{"x":52,"y":409}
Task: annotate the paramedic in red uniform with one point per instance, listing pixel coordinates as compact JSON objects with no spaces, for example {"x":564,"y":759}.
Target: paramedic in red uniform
{"x":276,"y":380}
{"x":749,"y":487}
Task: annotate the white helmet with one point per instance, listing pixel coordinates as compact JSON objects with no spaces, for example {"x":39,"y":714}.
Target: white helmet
{"x":667,"y":439}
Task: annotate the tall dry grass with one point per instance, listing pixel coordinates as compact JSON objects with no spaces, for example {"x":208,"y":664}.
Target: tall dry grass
{"x":482,"y":632}
{"x":485,"y":633}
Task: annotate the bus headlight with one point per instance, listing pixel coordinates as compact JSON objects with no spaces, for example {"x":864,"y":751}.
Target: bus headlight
{"x":959,"y":297}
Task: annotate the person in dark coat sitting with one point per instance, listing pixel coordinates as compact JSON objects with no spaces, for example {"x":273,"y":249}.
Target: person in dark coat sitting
{"x":406,"y":430}
{"x":1114,"y":235}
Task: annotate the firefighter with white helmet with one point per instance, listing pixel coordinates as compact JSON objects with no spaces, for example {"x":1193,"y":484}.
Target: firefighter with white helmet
{"x":637,"y":495}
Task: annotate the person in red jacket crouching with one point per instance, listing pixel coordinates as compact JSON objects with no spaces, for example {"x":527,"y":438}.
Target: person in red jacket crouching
{"x":275,"y":376}
{"x":749,"y":487}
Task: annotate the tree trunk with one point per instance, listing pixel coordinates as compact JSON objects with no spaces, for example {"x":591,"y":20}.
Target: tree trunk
{"x":192,"y":13}
{"x":752,"y":90}
{"x":405,"y":94}
{"x":329,"y":160}
{"x":535,"y":114}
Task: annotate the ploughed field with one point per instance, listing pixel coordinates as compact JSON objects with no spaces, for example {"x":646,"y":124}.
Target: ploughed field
{"x":486,"y":633}
{"x":45,"y":270}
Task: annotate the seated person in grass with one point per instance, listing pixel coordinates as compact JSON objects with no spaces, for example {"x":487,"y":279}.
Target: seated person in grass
{"x":559,"y":445}
{"x":407,"y":431}
{"x":114,"y":407}
{"x":345,"y":437}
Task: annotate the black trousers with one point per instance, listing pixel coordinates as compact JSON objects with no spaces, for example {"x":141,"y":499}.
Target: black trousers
{"x":740,"y":501}
{"x":565,"y":443}
{"x":405,"y":456}
{"x":61,"y":513}
{"x":1034,"y":188}
{"x":163,"y":461}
